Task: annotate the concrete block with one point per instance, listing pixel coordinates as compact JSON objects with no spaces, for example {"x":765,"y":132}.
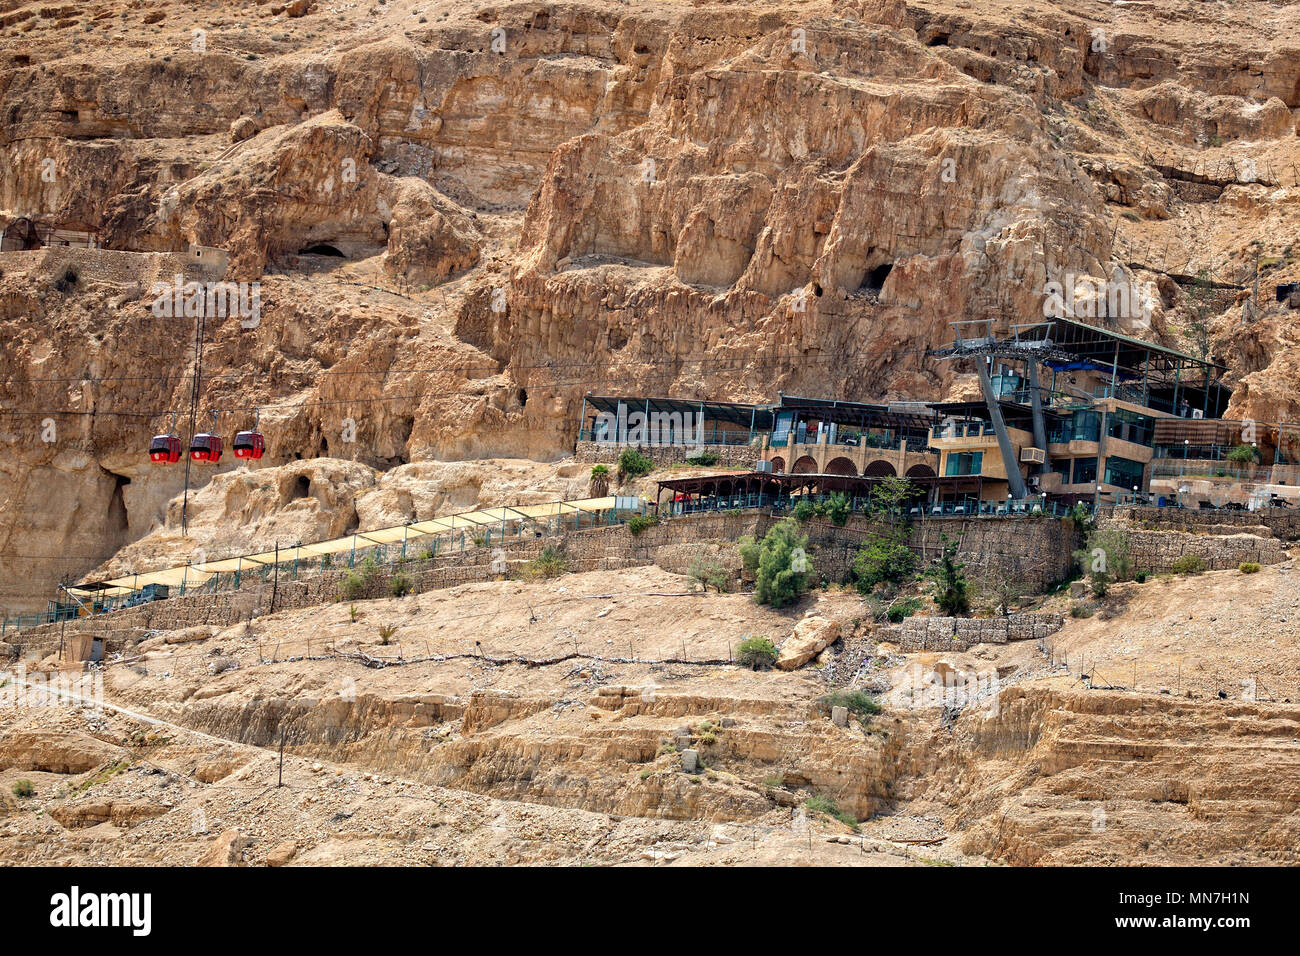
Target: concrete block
{"x":840,"y":716}
{"x":690,"y":761}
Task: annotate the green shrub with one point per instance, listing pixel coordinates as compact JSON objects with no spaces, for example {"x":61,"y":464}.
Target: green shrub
{"x":705,"y":459}
{"x":386,"y":632}
{"x":859,"y":703}
{"x":550,"y":563}
{"x":884,"y":559}
{"x":1242,"y":455}
{"x":756,"y":652}
{"x":804,"y":510}
{"x":837,"y":507}
{"x":1081,"y":517}
{"x":1188,"y":564}
{"x":23,"y":788}
{"x":400,"y":584}
{"x":820,"y":804}
{"x":352,"y":586}
{"x":780,"y":561}
{"x":1248,"y":567}
{"x":633,"y":464}
{"x":638,"y":523}
{"x":1141,"y":576}
{"x":901,"y":610}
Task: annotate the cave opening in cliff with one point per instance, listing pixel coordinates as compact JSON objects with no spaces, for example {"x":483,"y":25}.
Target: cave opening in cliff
{"x":322,"y":249}
{"x":939,"y":39}
{"x":116,"y":522}
{"x":302,"y":487}
{"x":875,"y":279}
{"x":523,"y":397}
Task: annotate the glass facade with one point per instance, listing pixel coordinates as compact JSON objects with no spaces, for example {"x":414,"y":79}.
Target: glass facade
{"x":1085,"y":471}
{"x":1081,"y":426}
{"x":1123,"y":472}
{"x":1130,"y":426}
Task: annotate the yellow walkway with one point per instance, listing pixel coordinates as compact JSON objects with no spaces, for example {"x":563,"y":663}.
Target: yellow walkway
{"x":192,"y":576}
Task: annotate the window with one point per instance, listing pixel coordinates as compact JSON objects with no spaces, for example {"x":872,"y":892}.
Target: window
{"x":1130,"y":426}
{"x":1085,"y":426}
{"x":1122,"y":472}
{"x":1081,"y":426}
{"x":1085,"y":471}
{"x":965,"y":463}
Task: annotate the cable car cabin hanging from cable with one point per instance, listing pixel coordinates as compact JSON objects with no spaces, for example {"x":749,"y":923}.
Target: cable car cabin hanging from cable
{"x":249,"y":444}
{"x":165,"y":449}
{"x":206,"y":446}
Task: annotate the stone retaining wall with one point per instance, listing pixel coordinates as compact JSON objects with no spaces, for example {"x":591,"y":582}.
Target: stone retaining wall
{"x":1157,"y":551}
{"x":1223,"y":540}
{"x":1035,"y":551}
{"x":960,"y":633}
{"x":1278,"y":522}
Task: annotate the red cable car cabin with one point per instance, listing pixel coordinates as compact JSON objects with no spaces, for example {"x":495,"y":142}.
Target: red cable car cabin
{"x":165,"y":449}
{"x":206,"y":447}
{"x":249,"y":445}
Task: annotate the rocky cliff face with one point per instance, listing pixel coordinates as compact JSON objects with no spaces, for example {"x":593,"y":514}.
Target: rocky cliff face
{"x":465,"y":216}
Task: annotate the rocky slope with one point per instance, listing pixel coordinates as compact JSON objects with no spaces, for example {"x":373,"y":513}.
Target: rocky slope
{"x":474,"y":746}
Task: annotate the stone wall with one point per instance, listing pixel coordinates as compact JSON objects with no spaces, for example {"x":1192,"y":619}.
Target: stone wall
{"x":1033,"y":550}
{"x":960,"y":633}
{"x":1157,"y":551}
{"x":1280,"y":523}
{"x":1223,"y":540}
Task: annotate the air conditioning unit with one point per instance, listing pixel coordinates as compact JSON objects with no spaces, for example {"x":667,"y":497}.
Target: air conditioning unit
{"x":1034,"y":456}
{"x":764,"y":466}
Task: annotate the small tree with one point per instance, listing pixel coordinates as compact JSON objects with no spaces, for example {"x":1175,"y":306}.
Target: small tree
{"x":884,"y":559}
{"x":598,"y":486}
{"x":804,"y":509}
{"x":837,"y":507}
{"x":951,"y":589}
{"x":633,"y":464}
{"x":1007,"y":593}
{"x":890,"y":497}
{"x":780,"y":561}
{"x":1242,"y":455}
{"x":708,"y":573}
{"x":1105,"y":558}
{"x":400,"y":584}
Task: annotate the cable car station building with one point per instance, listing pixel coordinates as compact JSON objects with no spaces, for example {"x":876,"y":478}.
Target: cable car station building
{"x":1067,"y":412}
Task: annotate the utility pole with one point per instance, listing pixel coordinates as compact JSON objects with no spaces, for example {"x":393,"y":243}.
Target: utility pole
{"x":275,"y":581}
{"x":195,"y":388}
